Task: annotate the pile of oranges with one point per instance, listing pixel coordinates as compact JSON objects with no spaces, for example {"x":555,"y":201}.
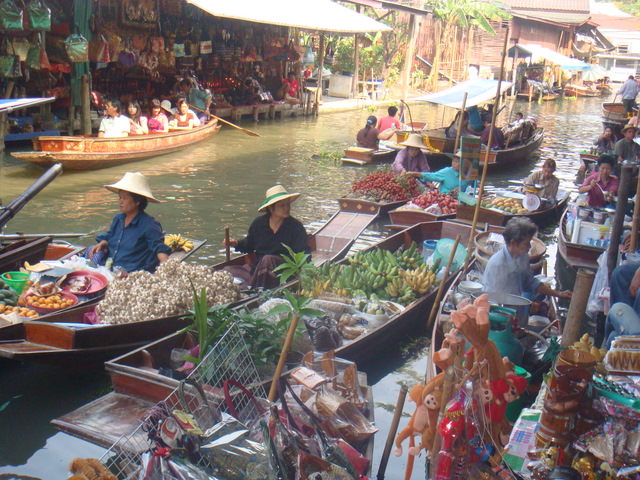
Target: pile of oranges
{"x":23,"y":312}
{"x":52,"y":302}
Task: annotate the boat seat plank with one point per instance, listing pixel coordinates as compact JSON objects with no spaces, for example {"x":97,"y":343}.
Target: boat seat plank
{"x":106,"y":419}
{"x":9,"y":349}
{"x":340,"y":231}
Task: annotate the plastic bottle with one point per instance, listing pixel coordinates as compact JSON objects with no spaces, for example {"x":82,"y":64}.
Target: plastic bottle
{"x":428,"y":248}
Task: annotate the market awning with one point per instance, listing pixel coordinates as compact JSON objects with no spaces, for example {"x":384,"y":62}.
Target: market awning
{"x":317,"y":15}
{"x":478,"y":91}
{"x":8,"y":105}
{"x":537,"y":53}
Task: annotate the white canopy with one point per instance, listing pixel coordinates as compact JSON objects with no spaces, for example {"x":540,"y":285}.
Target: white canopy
{"x":320,"y":15}
{"x":478,"y":91}
{"x":537,"y":53}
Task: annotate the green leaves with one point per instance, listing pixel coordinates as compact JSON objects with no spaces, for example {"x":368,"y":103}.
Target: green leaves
{"x":293,"y":264}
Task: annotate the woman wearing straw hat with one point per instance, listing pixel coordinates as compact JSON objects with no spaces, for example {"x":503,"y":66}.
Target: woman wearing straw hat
{"x":411,"y":158}
{"x":135,"y":240}
{"x":266,"y":238}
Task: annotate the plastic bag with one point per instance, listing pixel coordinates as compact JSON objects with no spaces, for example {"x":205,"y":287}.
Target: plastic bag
{"x":39,"y":15}
{"x":77,"y":48}
{"x":10,"y":16}
{"x":343,"y":417}
{"x":601,"y":281}
{"x":158,"y":465}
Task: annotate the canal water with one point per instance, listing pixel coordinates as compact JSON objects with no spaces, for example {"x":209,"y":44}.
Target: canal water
{"x":221,"y":182}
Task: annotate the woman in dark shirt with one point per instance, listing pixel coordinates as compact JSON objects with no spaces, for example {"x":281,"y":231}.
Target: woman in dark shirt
{"x":266,"y":239}
{"x":135,"y":240}
{"x":369,"y":136}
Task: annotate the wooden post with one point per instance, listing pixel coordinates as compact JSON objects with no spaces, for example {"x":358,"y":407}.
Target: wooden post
{"x":577,"y":307}
{"x":356,"y":61}
{"x":226,"y":243}
{"x":514,"y":70}
{"x":618,"y":221}
{"x":3,"y":130}
{"x":397,"y":413}
{"x":72,"y":116}
{"x":85,"y":112}
{"x":485,"y":166}
{"x":636,"y":218}
{"x":408,"y":58}
{"x":318,"y":99}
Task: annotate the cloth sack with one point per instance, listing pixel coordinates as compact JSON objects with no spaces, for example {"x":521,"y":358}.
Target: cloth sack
{"x":39,"y":15}
{"x":77,"y":48}
{"x":10,"y":16}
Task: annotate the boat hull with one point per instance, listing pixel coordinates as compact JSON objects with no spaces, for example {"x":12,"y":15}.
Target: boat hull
{"x":576,"y":255}
{"x":401,"y":219}
{"x":92,"y":153}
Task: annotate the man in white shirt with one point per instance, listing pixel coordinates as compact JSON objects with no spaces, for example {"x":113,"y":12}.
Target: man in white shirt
{"x":628,"y":92}
{"x":114,"y":125}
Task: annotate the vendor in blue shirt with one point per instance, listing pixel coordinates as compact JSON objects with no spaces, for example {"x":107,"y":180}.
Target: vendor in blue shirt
{"x":509,"y":271}
{"x":135,"y":240}
{"x":448,"y":177}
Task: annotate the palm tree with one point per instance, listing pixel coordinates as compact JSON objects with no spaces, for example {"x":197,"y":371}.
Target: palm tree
{"x":464,"y":14}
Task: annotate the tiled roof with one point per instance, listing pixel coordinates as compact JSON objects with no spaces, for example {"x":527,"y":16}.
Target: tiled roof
{"x":616,"y":23}
{"x":550,"y":5}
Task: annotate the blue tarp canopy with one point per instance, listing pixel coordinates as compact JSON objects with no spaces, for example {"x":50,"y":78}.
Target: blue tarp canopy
{"x":539,"y":53}
{"x":478,"y":91}
{"x":8,"y":105}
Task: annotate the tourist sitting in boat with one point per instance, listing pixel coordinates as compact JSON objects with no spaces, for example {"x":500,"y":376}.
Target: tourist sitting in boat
{"x":137,"y":121}
{"x":185,"y":119}
{"x":390,"y":121}
{"x":291,"y":88}
{"x":158,"y":121}
{"x":411,"y":158}
{"x":266,"y":239}
{"x":200,"y":99}
{"x":547,"y":179}
{"x":605,"y":144}
{"x":135,"y":240}
{"x":452,"y":129}
{"x":497,"y":139}
{"x":601,"y":186}
{"x":623,"y":318}
{"x":114,"y":125}
{"x":448,"y":177}
{"x":369,"y":136}
{"x":626,"y":148}
{"x":509,"y":271}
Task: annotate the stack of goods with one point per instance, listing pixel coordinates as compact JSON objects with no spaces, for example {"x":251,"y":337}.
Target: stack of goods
{"x":384,"y":185}
{"x":505,"y":205}
{"x":168,"y":291}
{"x":433,"y":202}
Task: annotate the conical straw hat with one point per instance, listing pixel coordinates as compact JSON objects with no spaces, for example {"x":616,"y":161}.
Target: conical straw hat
{"x":134,"y":182}
{"x":276,"y":194}
{"x":414,"y":140}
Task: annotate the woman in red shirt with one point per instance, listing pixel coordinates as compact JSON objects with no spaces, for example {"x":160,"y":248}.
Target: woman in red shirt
{"x":291,"y":88}
{"x":184,"y":119}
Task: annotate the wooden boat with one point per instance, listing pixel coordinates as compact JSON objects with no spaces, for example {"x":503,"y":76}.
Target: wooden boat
{"x":613,"y":115}
{"x":540,"y":217}
{"x":574,"y":254}
{"x":358,"y":205}
{"x":482,"y":252}
{"x":580,"y":91}
{"x":365,"y":156}
{"x":402,"y":218}
{"x":14,"y":254}
{"x":90,"y":153}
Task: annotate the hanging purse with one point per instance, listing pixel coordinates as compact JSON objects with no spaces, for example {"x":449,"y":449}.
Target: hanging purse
{"x":39,"y":15}
{"x":10,"y":16}
{"x":9,"y":62}
{"x":77,"y":48}
{"x":33,"y":57}
{"x":21,"y":48}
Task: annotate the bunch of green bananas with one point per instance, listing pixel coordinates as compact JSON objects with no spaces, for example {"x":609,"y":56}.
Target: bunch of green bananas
{"x":177,"y":242}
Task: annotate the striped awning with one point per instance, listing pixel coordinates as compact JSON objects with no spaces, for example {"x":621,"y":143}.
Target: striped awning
{"x":315,"y":15}
{"x":478,"y":91}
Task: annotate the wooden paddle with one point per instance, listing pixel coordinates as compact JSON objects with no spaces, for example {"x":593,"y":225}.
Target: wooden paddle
{"x":248,"y":132}
{"x":226,"y":242}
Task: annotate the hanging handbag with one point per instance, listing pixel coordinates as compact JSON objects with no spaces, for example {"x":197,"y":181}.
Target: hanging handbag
{"x":33,"y":57}
{"x":10,"y":16}
{"x":21,"y":48}
{"x":9,"y":61}
{"x":77,"y":48}
{"x":39,"y":15}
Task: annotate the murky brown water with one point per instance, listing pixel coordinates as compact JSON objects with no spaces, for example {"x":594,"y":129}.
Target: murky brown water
{"x":221,"y":182}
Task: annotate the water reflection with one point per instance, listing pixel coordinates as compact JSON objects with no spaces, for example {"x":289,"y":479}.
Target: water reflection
{"x":221,"y":182}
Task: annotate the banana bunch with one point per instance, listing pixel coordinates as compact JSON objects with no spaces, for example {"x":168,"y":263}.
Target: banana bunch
{"x":399,"y":291}
{"x":420,"y":280}
{"x":177,"y":242}
{"x":586,"y":344}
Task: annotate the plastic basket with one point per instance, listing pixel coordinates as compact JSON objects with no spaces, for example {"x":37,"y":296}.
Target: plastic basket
{"x":16,"y":280}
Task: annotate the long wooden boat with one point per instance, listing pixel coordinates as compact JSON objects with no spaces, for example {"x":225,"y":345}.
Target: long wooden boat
{"x":402,"y":218}
{"x":540,"y":217}
{"x":580,"y":91}
{"x":574,"y":254}
{"x":91,"y":153}
{"x":613,"y":115}
{"x":364,"y":156}
{"x":361,"y":205}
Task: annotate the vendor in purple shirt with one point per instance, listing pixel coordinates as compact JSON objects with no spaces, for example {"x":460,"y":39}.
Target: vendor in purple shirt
{"x":601,"y":186}
{"x":135,"y":240}
{"x":411,"y":158}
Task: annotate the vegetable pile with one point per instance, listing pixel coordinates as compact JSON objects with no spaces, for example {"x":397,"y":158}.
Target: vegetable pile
{"x":168,"y":291}
{"x":386,"y":185}
{"x":447,"y":203}
{"x":377,"y":275}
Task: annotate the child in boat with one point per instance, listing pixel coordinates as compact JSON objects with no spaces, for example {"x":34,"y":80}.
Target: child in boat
{"x":158,"y":121}
{"x":138,"y":121}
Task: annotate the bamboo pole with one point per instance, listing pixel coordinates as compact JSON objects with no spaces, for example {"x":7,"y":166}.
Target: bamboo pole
{"x":409,"y":54}
{"x":397,"y":413}
{"x":356,"y":62}
{"x":579,"y":299}
{"x":618,"y":220}
{"x":486,"y":156}
{"x":636,"y":218}
{"x":226,"y":242}
{"x":85,"y":107}
{"x":318,"y":99}
{"x":445,"y":278}
{"x":273,"y":391}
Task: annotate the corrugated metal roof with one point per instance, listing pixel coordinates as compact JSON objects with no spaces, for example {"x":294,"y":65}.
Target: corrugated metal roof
{"x":317,"y":15}
{"x":616,"y":23}
{"x":565,"y":18}
{"x":550,"y":5}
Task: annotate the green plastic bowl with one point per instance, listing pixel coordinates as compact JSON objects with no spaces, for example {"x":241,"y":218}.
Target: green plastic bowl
{"x":16,"y":280}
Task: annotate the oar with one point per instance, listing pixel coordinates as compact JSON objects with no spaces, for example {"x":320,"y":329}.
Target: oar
{"x":248,"y":132}
{"x":226,"y":242}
